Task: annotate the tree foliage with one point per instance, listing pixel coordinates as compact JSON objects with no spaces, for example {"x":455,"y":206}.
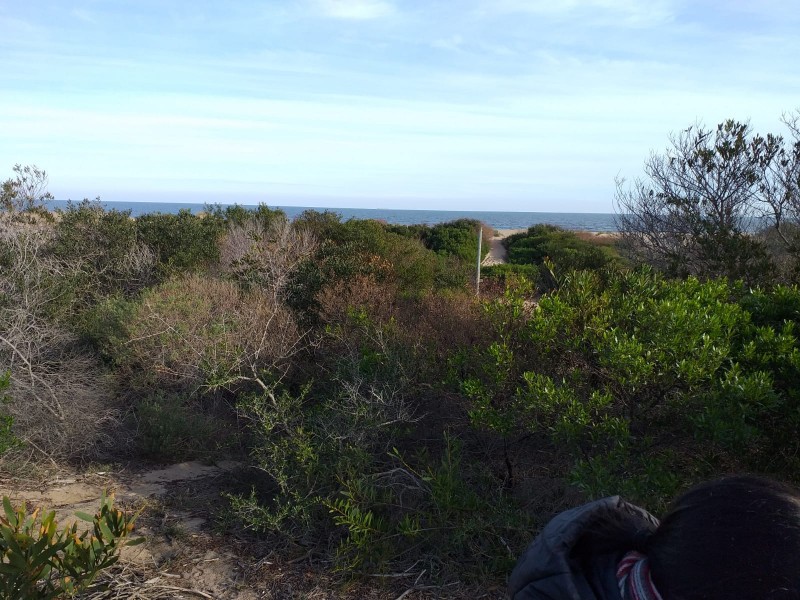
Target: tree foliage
{"x":27,"y":190}
{"x":703,"y":200}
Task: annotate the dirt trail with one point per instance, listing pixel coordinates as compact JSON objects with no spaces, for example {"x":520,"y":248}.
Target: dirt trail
{"x":497,"y":251}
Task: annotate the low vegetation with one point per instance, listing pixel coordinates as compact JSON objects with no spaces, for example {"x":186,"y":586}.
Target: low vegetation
{"x":394,"y":421}
{"x":39,"y":560}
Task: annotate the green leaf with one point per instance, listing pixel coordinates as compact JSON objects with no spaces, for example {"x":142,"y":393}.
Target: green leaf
{"x":84,"y":516}
{"x":10,"y":514}
{"x":107,"y":535}
{"x":135,"y":541}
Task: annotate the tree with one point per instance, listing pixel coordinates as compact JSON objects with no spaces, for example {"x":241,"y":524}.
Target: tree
{"x":705,"y":200}
{"x":780,"y":187}
{"x":26,"y":191}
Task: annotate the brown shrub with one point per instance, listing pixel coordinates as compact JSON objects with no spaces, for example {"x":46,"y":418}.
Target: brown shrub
{"x":360,"y":292}
{"x":198,"y":331}
{"x":265,"y":256}
{"x":60,"y":399}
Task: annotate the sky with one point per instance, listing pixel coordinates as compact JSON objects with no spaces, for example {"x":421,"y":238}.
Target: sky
{"x":517,"y":105}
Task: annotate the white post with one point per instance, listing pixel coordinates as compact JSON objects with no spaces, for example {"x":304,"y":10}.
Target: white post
{"x":478,"y":272}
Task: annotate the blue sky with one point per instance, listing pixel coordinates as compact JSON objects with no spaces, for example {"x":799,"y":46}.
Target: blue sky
{"x":462,"y":104}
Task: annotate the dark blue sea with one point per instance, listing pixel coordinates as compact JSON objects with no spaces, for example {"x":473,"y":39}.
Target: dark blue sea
{"x":495,"y":219}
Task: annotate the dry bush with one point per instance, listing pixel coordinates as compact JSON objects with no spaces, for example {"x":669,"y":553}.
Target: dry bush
{"x":199,"y":331}
{"x":360,"y":292}
{"x":488,"y":232}
{"x":138,"y":266}
{"x":26,"y":191}
{"x":266,"y":255}
{"x":443,"y":323}
{"x":60,"y":399}
{"x":449,"y":321}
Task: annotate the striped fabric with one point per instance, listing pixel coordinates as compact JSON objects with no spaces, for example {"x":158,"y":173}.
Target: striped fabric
{"x":633,"y":578}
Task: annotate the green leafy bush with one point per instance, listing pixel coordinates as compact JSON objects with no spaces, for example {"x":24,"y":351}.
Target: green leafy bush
{"x":632,"y":374}
{"x":105,"y":247}
{"x":236,"y":214}
{"x":506,"y":272}
{"x":183,"y":243}
{"x":337,"y":478}
{"x":457,"y":238}
{"x":565,"y":250}
{"x":40,"y":561}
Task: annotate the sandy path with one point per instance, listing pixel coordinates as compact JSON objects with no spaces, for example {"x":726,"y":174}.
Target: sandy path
{"x":497,"y":251}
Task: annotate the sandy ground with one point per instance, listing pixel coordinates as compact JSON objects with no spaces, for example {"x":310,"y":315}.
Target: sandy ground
{"x":197,"y":568}
{"x":497,"y":252}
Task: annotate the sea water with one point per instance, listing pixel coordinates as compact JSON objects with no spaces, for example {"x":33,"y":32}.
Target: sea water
{"x":495,"y":219}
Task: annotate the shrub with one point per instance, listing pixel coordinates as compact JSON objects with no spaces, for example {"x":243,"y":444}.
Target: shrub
{"x":505,"y":272}
{"x":237,"y":215}
{"x":338,"y":478}
{"x":105,"y":246}
{"x":565,"y":250}
{"x":27,"y":191}
{"x":175,"y":427}
{"x":7,"y":439}
{"x":361,"y":249}
{"x":39,"y":560}
{"x":266,"y":254}
{"x":358,"y":458}
{"x":60,"y":400}
{"x":198,"y":331}
{"x":457,"y":238}
{"x":702,"y":198}
{"x":183,"y":242}
{"x":632,"y":375}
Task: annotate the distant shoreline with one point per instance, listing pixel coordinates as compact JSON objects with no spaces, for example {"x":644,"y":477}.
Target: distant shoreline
{"x":498,"y":220}
{"x":504,"y":233}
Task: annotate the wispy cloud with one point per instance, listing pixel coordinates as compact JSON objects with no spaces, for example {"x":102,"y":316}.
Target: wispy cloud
{"x":355,"y":10}
{"x":85,"y":16}
{"x":456,"y":102}
{"x":621,"y":12}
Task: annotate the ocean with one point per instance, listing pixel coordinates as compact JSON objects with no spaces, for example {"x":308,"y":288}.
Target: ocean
{"x":495,"y":219}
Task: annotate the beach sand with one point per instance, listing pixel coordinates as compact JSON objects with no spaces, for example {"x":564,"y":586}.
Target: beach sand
{"x":497,"y":251}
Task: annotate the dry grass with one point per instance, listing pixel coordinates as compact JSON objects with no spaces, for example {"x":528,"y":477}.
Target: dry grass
{"x":127,"y":581}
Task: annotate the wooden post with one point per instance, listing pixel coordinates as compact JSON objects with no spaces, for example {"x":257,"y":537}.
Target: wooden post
{"x":478,"y":271}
